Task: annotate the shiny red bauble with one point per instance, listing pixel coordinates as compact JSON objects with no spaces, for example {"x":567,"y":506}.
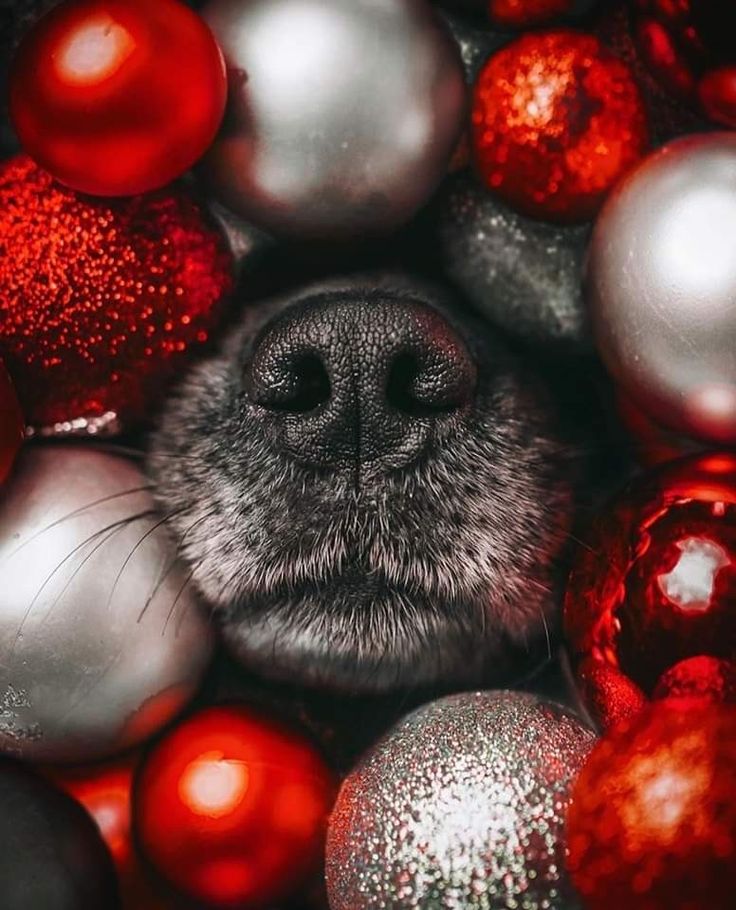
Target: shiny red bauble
{"x":231,"y":808}
{"x":690,"y":49}
{"x":655,"y":584}
{"x":118,"y":97}
{"x":556,"y":121}
{"x":11,"y":424}
{"x":101,"y":301}
{"x":652,"y":822}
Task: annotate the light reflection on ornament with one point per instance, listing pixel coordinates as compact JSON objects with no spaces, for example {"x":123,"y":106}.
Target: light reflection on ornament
{"x":689,"y":585}
{"x":213,"y":785}
{"x":95,"y":52}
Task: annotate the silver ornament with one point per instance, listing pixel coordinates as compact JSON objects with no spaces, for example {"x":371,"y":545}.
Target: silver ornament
{"x":661,"y":285}
{"x":460,"y":807}
{"x":342,"y":115}
{"x":101,"y":638}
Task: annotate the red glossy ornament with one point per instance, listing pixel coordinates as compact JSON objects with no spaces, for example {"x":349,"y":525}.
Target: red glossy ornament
{"x":652,"y":822}
{"x":699,"y":678}
{"x":689,"y":48}
{"x":231,"y":808}
{"x":118,"y":97}
{"x":101,"y":302}
{"x":655,"y":583}
{"x":557,"y":120}
{"x":11,"y":424}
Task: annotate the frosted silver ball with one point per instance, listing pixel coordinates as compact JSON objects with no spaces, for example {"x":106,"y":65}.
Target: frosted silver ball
{"x":342,"y":114}
{"x":460,"y":807}
{"x":101,"y":638}
{"x":661,"y":285}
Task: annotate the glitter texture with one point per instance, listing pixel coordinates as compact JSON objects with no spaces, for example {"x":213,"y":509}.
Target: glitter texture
{"x":460,"y":807}
{"x":100,"y":302}
{"x":557,"y":120}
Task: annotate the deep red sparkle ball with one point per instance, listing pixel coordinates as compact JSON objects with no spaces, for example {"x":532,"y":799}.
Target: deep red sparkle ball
{"x":101,"y":301}
{"x":556,"y":121}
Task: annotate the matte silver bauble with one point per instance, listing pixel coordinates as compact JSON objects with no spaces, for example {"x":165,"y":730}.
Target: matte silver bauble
{"x":342,"y":114}
{"x":460,"y":806}
{"x":101,"y":638}
{"x":661,"y":285}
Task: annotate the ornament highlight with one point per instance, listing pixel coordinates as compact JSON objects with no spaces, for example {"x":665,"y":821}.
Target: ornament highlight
{"x":102,"y":640}
{"x":100,"y":302}
{"x":557,"y":120}
{"x":460,"y":805}
{"x":342,"y":117}
{"x":11,"y":424}
{"x":117,"y":97}
{"x":660,"y":285}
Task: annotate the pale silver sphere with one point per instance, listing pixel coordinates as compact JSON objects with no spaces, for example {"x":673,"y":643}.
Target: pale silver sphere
{"x":101,"y":638}
{"x":460,"y":807}
{"x":342,"y":114}
{"x":661,"y":285}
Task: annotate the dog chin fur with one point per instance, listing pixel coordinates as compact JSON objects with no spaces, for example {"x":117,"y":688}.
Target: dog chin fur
{"x":443,"y":571}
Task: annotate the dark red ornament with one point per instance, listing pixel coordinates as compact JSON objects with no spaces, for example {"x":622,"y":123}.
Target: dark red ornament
{"x":655,"y":583}
{"x":11,"y":424}
{"x":690,"y":49}
{"x":652,"y":822}
{"x":699,"y":678}
{"x":118,"y":97}
{"x":231,"y":808}
{"x":557,"y":120}
{"x":100,"y":301}
{"x":523,"y":14}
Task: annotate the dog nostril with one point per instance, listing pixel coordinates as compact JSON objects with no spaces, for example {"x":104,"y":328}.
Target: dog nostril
{"x":304,"y":387}
{"x":413,"y":388}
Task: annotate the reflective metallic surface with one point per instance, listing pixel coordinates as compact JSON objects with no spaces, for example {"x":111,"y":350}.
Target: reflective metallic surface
{"x":101,"y":638}
{"x":661,"y":285}
{"x":342,"y":116}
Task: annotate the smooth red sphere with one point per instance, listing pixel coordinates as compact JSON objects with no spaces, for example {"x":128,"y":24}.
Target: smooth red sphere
{"x":118,"y":97}
{"x":557,"y":120}
{"x":655,"y":582}
{"x":231,"y":808}
{"x":11,"y":424}
{"x":652,"y":822}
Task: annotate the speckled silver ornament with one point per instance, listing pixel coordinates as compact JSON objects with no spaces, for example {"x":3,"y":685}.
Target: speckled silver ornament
{"x":524,"y":275}
{"x":460,"y":807}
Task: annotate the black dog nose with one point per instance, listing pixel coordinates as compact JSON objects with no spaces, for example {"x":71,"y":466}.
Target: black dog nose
{"x":359,"y":381}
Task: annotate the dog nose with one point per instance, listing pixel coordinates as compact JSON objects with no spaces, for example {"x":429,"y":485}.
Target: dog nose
{"x":358,"y":382}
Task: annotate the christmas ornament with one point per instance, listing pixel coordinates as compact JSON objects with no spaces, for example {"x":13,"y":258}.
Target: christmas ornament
{"x":231,"y":808}
{"x":655,"y":583}
{"x":661,"y":280}
{"x":689,"y":48}
{"x":651,"y":443}
{"x":524,"y":14}
{"x":557,"y":120}
{"x":653,"y":818}
{"x":101,"y":302}
{"x":52,"y":857}
{"x":459,"y":806}
{"x":101,"y":637}
{"x":118,"y":97}
{"x":524,"y":275}
{"x":11,"y":424}
{"x":352,"y":135}
{"x":697,"y":678}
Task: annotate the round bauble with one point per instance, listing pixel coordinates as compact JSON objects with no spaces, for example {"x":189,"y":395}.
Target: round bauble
{"x":661,"y":281}
{"x":654,"y":584}
{"x":699,"y":678}
{"x":231,"y":808}
{"x":557,"y":120}
{"x":118,"y":97}
{"x":101,"y":302}
{"x":652,"y":822}
{"x":460,"y":805}
{"x":342,"y":115}
{"x":11,"y":424}
{"x":52,"y":856}
{"x":101,"y":637}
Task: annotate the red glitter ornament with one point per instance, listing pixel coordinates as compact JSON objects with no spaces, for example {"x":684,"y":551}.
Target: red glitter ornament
{"x":652,"y":822}
{"x":557,"y":120}
{"x":655,"y":583}
{"x":11,"y":424}
{"x":690,"y":49}
{"x":231,"y":808}
{"x":100,"y":302}
{"x":699,"y":678}
{"x":117,"y":97}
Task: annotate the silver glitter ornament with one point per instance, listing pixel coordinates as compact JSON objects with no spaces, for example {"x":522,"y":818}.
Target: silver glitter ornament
{"x":661,"y":285}
{"x":101,"y":638}
{"x":342,"y":114}
{"x":460,"y":807}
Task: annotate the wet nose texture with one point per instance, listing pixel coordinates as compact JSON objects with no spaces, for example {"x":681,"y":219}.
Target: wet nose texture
{"x":358,"y":384}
